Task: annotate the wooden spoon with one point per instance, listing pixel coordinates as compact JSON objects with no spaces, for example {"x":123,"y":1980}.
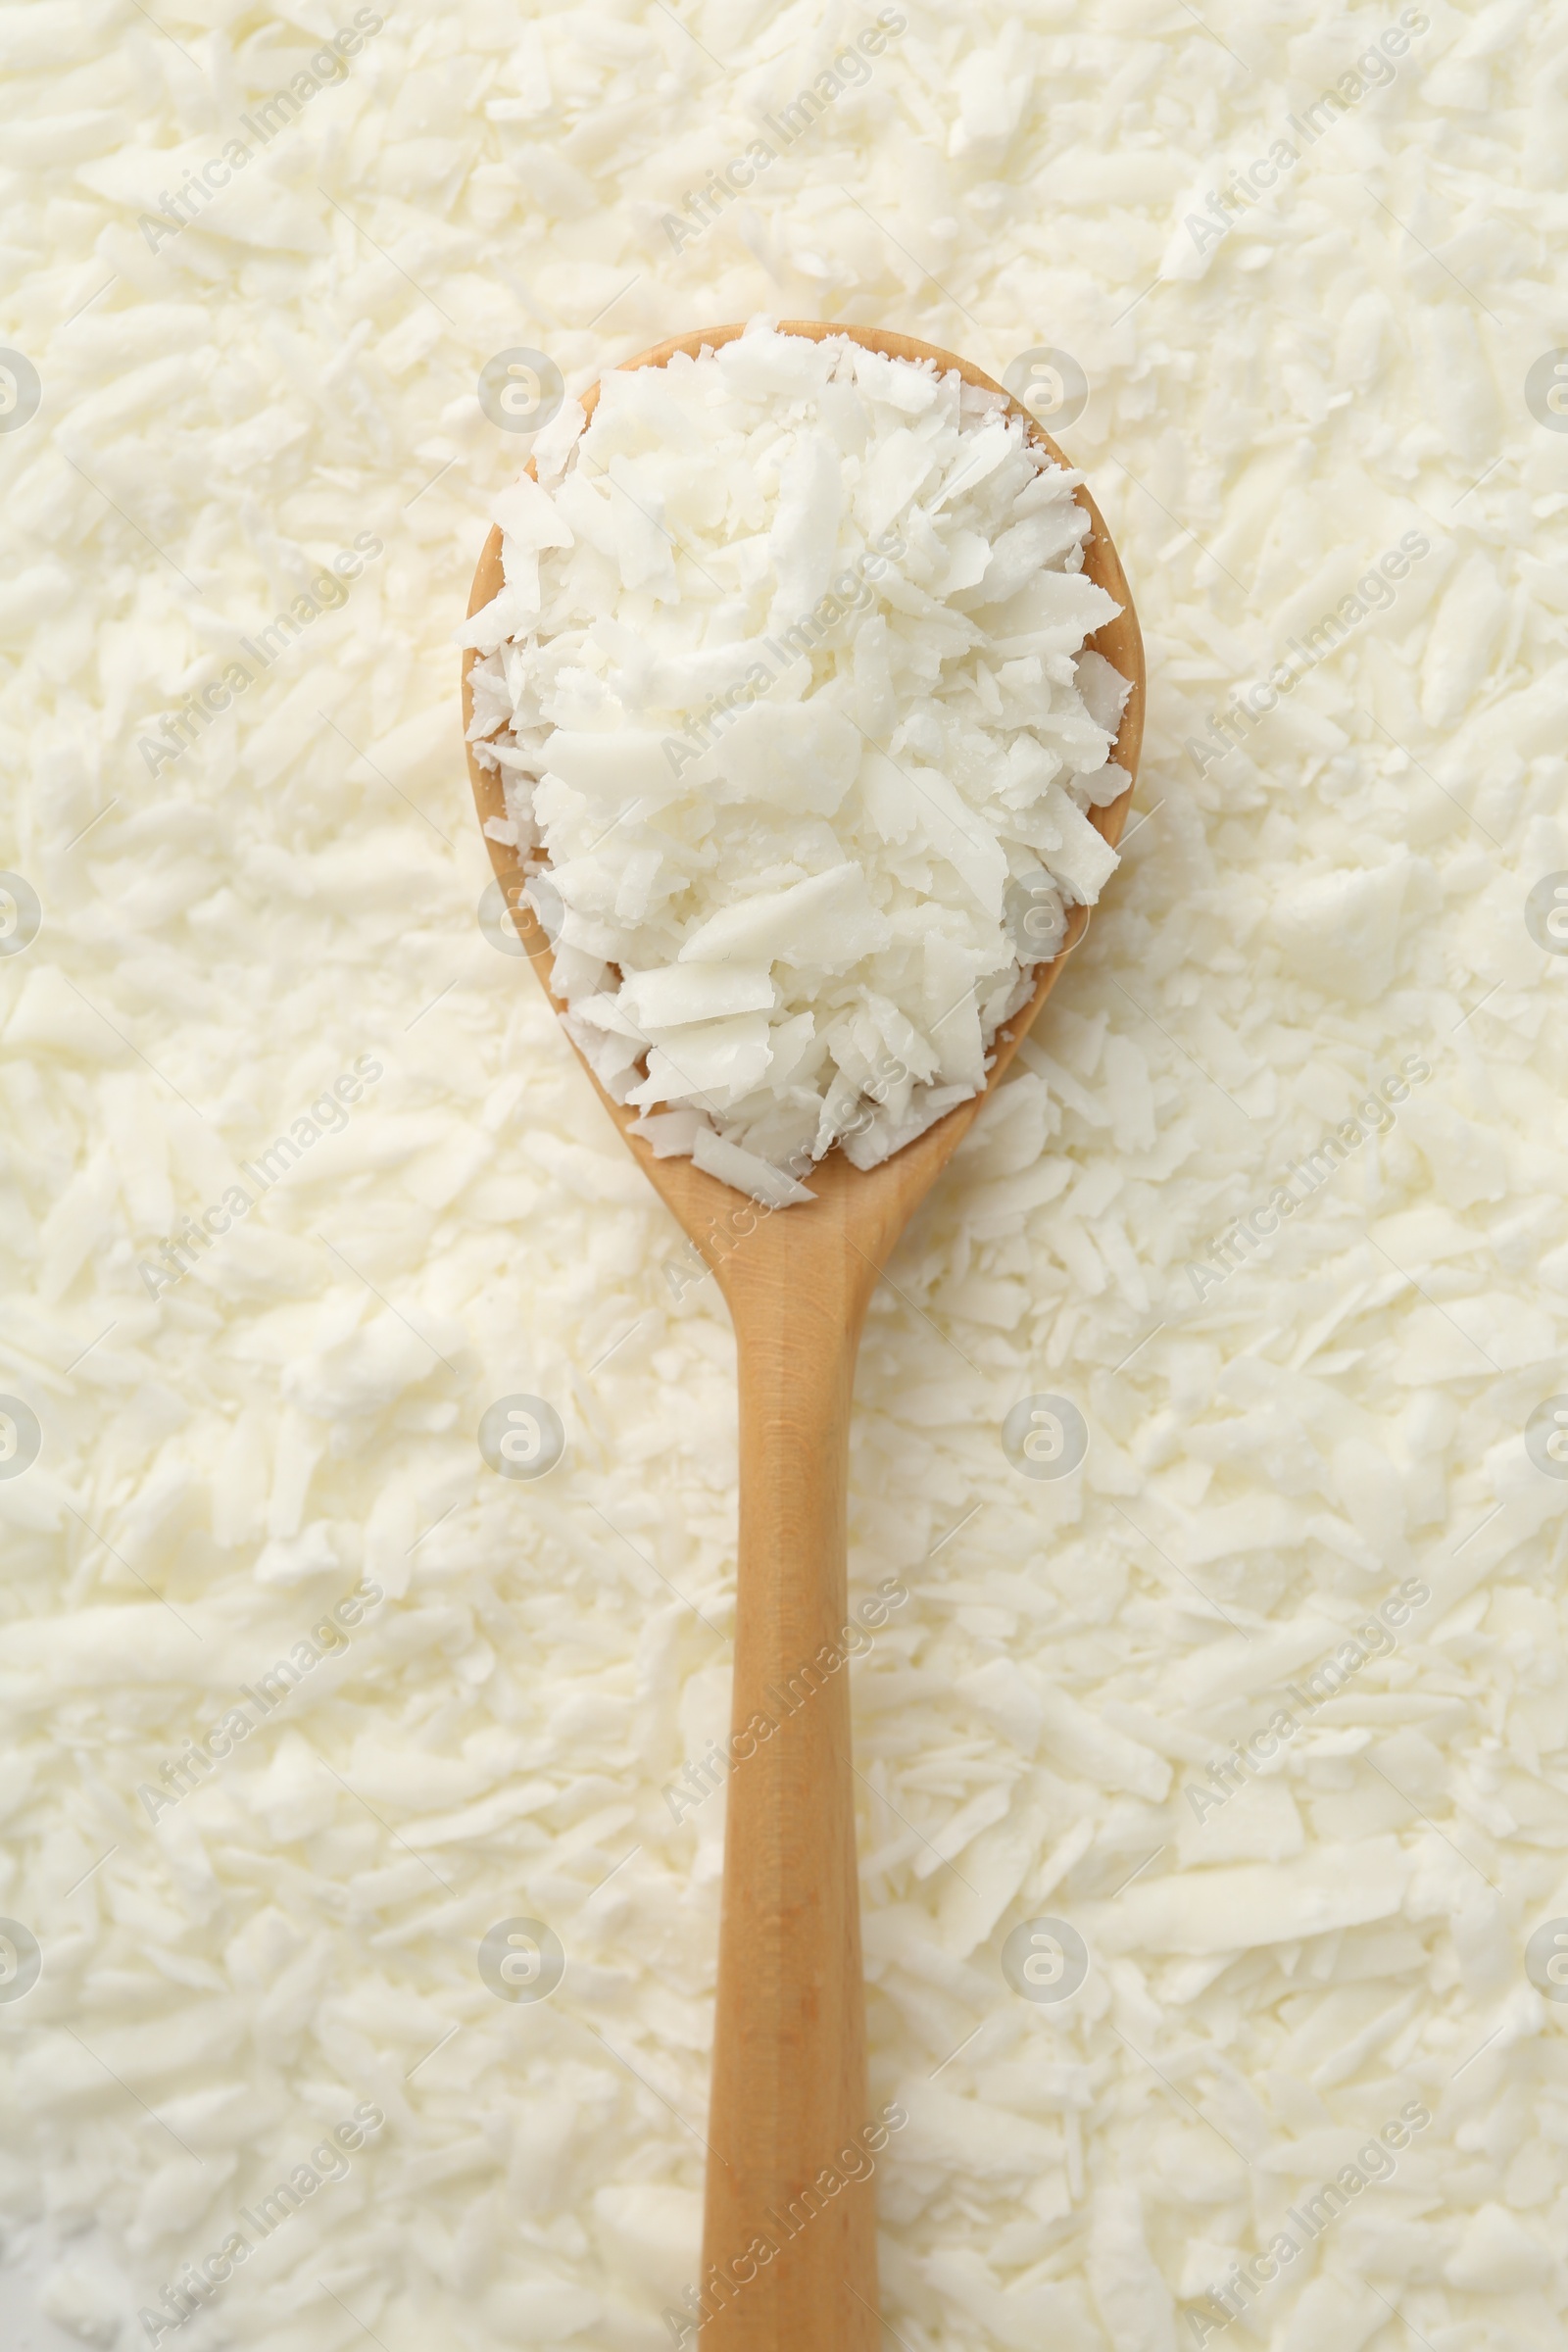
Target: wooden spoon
{"x":789,"y":2111}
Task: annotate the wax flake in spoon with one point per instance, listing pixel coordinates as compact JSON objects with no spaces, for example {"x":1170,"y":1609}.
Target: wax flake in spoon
{"x":789,"y":692}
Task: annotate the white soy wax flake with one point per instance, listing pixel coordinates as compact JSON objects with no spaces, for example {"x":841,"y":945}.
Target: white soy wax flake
{"x":789,"y":683}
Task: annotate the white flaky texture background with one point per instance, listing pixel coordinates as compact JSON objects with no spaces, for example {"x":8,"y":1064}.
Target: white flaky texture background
{"x":291,"y":903}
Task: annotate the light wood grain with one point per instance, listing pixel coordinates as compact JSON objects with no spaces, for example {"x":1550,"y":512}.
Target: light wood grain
{"x":789,"y":2099}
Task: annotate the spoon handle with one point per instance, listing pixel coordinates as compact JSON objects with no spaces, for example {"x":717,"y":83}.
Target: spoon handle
{"x":789,"y":2253}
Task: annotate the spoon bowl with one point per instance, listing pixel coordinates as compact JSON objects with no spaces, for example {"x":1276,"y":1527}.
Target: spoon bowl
{"x":789,"y":2263}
